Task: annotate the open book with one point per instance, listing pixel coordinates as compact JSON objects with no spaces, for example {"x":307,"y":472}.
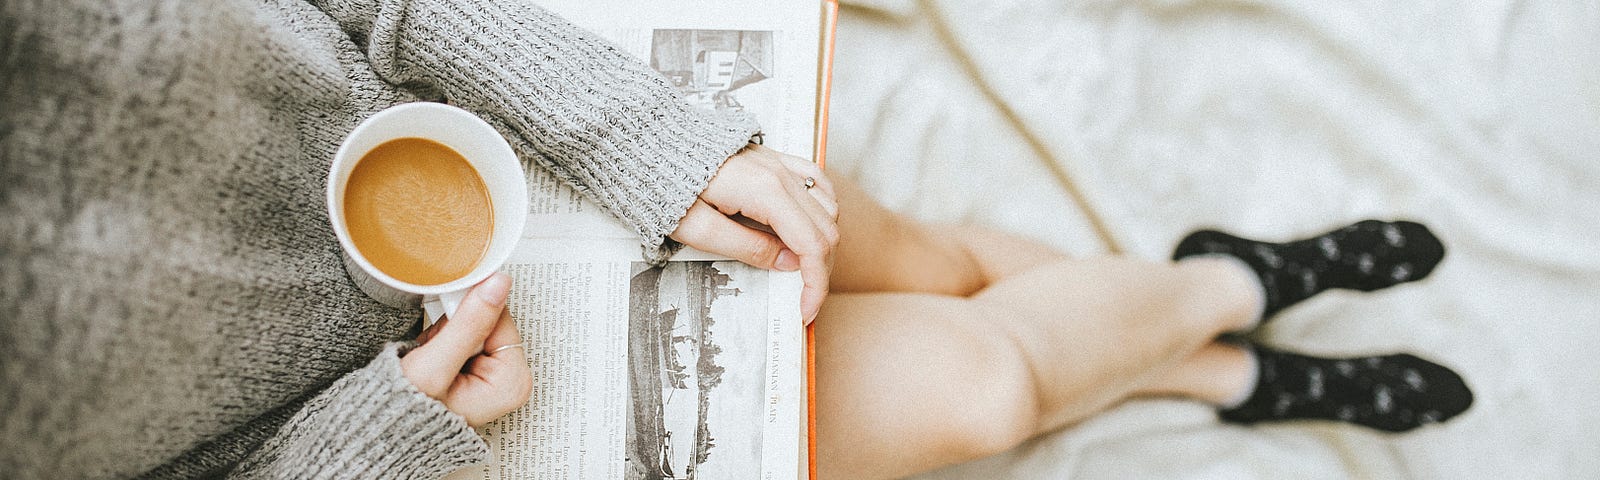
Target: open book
{"x":698,"y":369}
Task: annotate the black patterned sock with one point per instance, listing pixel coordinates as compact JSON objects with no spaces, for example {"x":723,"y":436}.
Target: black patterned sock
{"x":1366,"y":256}
{"x":1393,"y":393}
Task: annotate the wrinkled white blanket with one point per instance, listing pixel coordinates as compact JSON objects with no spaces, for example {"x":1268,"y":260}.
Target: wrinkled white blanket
{"x":1274,"y":120}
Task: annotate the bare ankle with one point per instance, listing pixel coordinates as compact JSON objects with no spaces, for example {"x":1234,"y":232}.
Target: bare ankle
{"x":1231,"y":295}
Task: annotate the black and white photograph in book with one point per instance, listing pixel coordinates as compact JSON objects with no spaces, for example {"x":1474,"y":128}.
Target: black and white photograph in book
{"x":722,"y":70}
{"x":696,"y":341}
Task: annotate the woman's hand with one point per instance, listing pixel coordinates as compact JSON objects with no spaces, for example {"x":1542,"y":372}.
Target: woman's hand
{"x":796,"y":226}
{"x":451,"y":364}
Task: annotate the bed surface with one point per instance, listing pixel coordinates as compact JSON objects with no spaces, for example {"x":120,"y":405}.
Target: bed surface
{"x":1273,"y":120}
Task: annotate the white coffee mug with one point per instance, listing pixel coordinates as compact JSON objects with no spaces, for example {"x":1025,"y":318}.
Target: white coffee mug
{"x":484,"y":149}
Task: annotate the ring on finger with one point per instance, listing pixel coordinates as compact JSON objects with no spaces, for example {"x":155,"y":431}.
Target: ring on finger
{"x":810,"y":182}
{"x":492,"y":351}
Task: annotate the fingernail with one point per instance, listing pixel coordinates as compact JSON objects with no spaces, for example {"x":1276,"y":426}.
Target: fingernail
{"x":494,"y":289}
{"x":787,"y":261}
{"x":811,"y":312}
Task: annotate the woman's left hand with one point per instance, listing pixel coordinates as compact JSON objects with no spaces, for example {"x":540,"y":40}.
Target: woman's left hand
{"x":788,"y":195}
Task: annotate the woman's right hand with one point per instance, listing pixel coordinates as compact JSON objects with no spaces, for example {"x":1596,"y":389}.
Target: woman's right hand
{"x":800,"y":216}
{"x":452,"y":366}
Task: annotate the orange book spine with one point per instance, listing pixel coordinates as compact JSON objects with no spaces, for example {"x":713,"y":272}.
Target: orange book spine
{"x":830,"y":20}
{"x":830,"y":11}
{"x":811,"y":401}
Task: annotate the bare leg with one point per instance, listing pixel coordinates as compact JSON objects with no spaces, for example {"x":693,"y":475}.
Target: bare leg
{"x":880,"y":251}
{"x":912,"y":381}
{"x":974,"y":341}
{"x":1217,"y":374}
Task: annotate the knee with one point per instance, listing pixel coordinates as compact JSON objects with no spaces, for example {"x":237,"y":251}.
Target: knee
{"x":986,"y":433}
{"x":997,"y":410}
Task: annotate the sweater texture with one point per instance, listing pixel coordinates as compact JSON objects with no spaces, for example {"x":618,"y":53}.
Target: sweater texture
{"x":172,"y":299}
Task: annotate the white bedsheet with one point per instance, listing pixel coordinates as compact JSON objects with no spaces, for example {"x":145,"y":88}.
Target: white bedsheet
{"x":1275,"y":120}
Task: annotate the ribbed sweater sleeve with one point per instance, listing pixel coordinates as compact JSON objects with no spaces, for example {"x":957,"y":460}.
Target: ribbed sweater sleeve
{"x":596,"y":117}
{"x":372,"y":423}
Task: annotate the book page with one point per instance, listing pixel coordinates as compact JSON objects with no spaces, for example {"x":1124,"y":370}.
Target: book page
{"x":645,"y":373}
{"x":650,"y":372}
{"x":691,"y":369}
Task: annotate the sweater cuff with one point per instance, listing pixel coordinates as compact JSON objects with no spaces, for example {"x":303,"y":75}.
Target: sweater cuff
{"x":646,"y":175}
{"x":685,"y":149}
{"x":646,"y":163}
{"x":372,"y":423}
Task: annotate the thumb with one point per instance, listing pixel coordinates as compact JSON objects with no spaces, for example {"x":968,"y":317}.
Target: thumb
{"x":434,"y":365}
{"x":706,"y":228}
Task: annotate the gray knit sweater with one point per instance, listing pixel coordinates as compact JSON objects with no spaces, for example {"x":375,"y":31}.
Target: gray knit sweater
{"x":171,"y":297}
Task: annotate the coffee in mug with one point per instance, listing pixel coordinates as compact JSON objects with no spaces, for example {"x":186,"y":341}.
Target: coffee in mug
{"x":427,"y":200}
{"x":418,"y":211}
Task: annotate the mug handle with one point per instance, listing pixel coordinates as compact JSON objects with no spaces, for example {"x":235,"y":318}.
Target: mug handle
{"x":436,"y":306}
